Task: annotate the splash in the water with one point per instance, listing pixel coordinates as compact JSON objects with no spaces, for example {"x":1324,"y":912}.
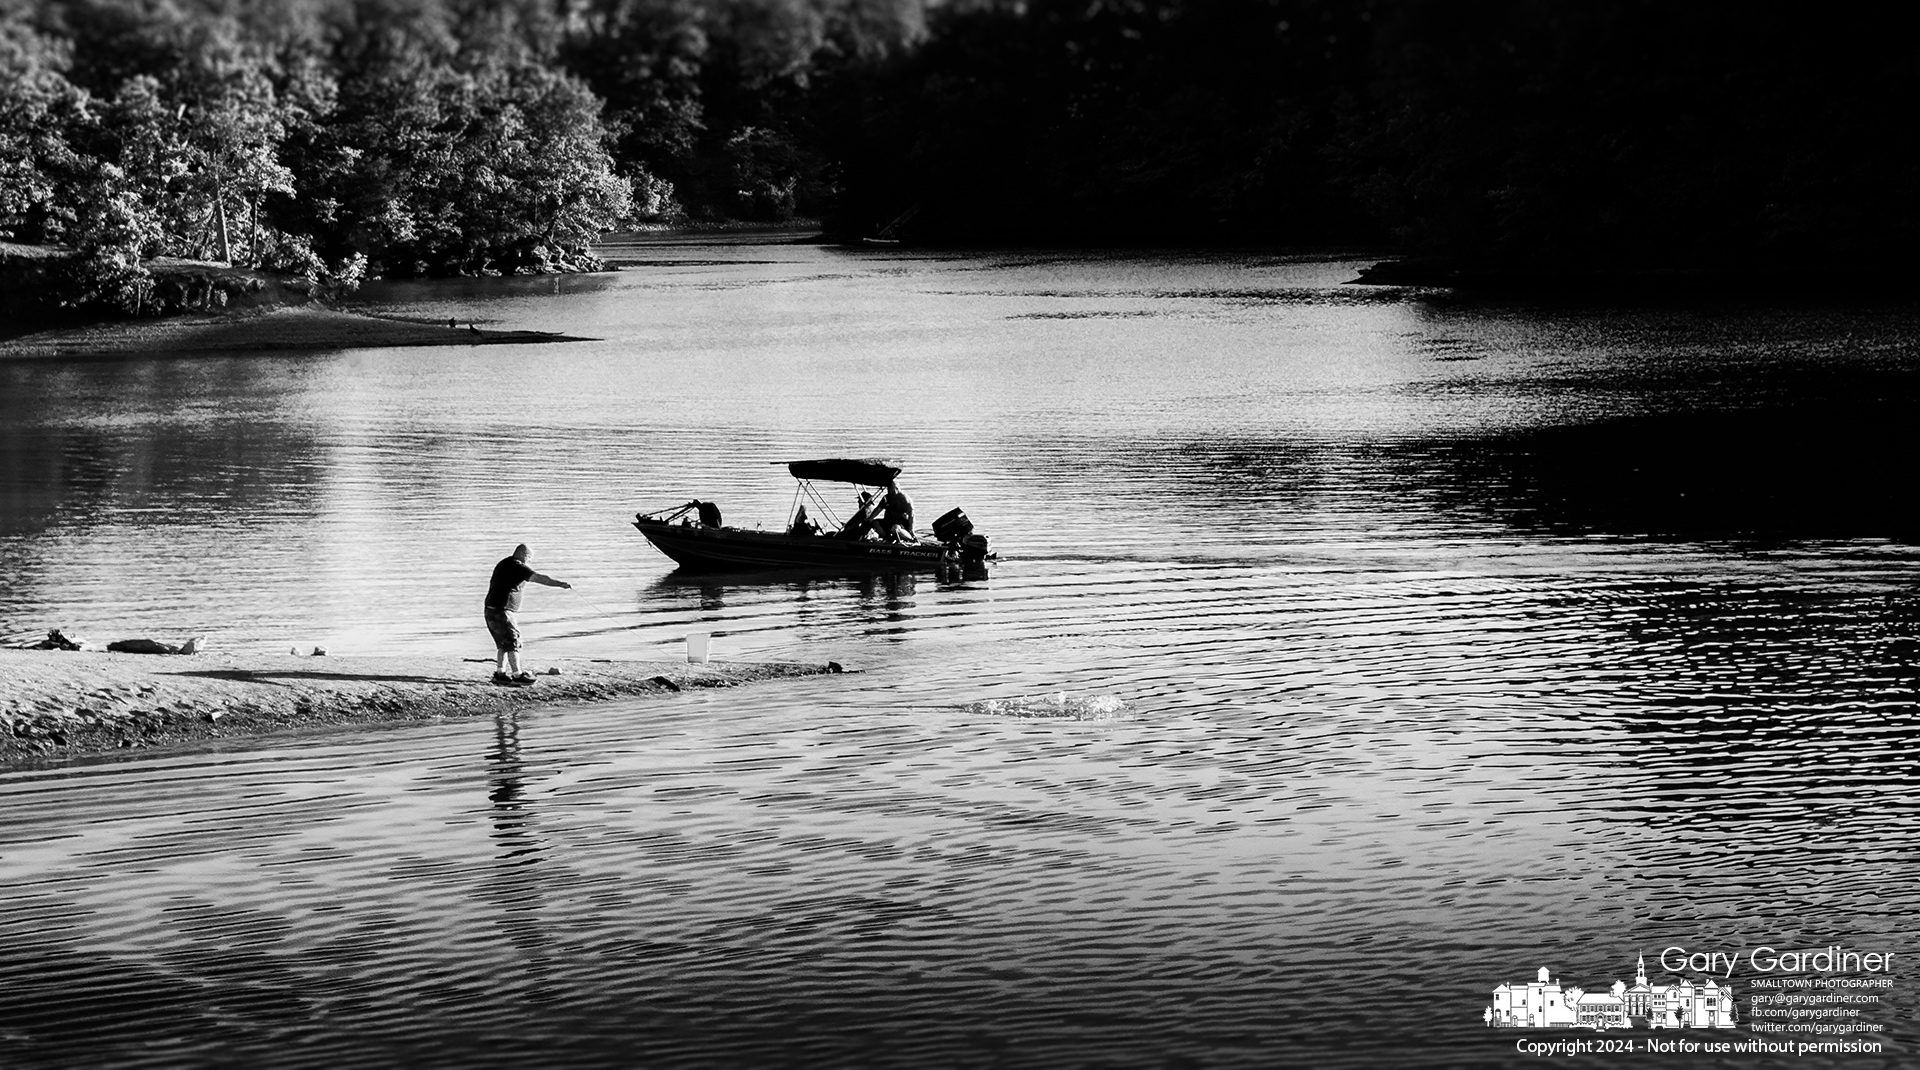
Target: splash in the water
{"x":1058,"y":705}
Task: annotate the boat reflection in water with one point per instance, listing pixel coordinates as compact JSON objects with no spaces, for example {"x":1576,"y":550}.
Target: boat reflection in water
{"x":878,"y":537}
{"x":819,"y":603}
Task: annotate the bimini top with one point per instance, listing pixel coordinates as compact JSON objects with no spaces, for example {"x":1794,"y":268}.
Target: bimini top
{"x":872,"y":472}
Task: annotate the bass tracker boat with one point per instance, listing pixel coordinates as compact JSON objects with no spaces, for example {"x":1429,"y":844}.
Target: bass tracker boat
{"x":874,"y":539}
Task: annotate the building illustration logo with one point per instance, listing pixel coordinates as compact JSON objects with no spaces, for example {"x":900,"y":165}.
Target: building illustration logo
{"x":1545,"y":1003}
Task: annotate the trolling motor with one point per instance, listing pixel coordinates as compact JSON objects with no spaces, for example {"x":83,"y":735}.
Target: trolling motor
{"x":707,"y":513}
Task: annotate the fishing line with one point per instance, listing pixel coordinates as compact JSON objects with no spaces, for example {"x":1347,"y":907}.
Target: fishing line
{"x":603,"y":607}
{"x":596,"y":604}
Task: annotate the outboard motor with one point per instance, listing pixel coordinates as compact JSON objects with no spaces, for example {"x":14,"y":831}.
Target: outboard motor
{"x":973,"y":549}
{"x":952,"y":527}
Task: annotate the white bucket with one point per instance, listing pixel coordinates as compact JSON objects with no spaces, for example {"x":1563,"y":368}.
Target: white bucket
{"x":697,"y":648}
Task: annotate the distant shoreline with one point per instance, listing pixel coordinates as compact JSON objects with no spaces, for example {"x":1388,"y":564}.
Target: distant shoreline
{"x":1487,"y":279}
{"x":61,"y":704}
{"x":273,"y":330}
{"x":204,"y":307}
{"x":299,"y":322}
{"x":268,"y":313}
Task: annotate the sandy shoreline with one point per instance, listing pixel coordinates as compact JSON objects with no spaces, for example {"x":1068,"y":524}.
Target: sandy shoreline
{"x":59,"y":704}
{"x":271,"y":330}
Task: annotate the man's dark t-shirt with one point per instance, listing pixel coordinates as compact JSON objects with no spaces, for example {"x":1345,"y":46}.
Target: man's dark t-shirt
{"x":508,"y":577}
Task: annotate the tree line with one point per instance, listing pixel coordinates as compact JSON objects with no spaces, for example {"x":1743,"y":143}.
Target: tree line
{"x":324,"y":138}
{"x":1605,"y":136}
{"x":341,"y":138}
{"x":398,"y":137}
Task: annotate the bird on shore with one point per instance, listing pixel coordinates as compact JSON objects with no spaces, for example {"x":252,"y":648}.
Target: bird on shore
{"x":472,"y":328}
{"x":452,"y":324}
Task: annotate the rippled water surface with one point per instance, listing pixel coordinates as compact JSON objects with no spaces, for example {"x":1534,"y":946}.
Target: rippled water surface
{"x":1352,"y":651}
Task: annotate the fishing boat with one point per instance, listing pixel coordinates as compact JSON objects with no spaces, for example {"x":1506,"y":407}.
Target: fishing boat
{"x":693,"y":536}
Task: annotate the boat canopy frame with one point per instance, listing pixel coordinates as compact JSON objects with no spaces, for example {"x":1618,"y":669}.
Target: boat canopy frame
{"x":859,"y":471}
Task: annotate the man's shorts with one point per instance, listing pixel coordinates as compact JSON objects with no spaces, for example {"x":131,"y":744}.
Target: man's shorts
{"x":506,"y":634}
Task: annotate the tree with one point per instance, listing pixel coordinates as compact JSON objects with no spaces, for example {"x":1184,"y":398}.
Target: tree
{"x":41,"y":115}
{"x":539,"y":185}
{"x":235,"y":124}
{"x":644,"y":58}
{"x":463,"y":158}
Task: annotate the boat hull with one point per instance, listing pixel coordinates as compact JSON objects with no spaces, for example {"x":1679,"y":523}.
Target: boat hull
{"x":704,"y":549}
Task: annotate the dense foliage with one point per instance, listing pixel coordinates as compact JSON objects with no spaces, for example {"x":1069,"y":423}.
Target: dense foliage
{"x":1100,"y":121}
{"x":325,"y":138}
{"x":1602,"y":136}
{"x":438,"y":136}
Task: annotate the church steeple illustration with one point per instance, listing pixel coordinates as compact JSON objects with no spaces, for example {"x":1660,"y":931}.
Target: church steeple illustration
{"x":1547,"y":1004}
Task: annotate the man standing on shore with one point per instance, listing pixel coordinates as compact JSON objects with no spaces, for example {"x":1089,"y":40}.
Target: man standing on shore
{"x":503,"y":601}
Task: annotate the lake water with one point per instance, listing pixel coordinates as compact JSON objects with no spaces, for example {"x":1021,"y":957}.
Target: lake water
{"x":1352,"y":651}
